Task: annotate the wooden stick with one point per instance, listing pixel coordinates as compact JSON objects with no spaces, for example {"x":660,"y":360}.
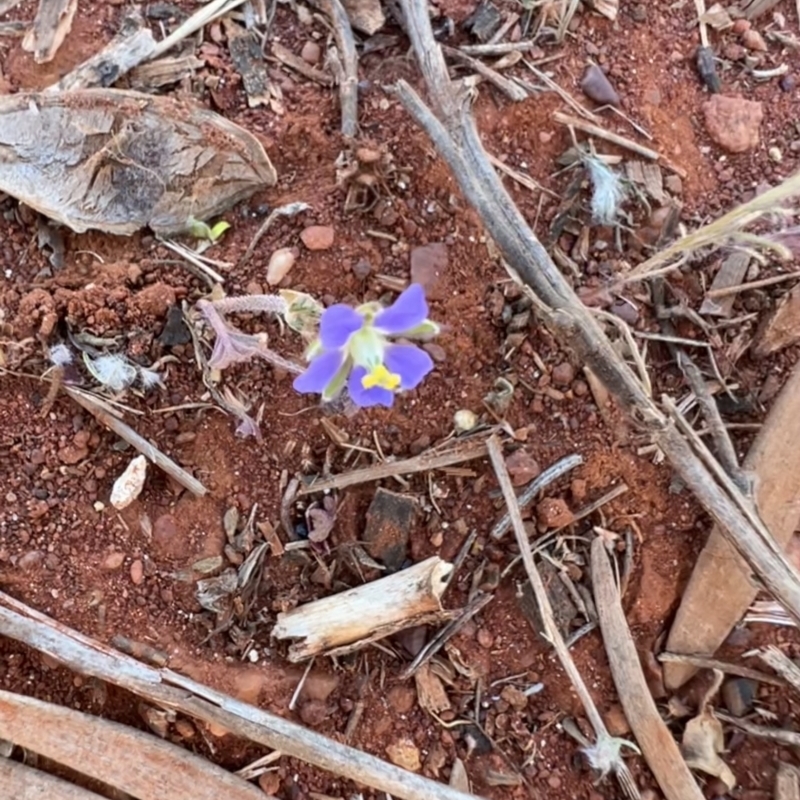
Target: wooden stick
{"x":287,"y":57}
{"x":51,"y":26}
{"x":615,"y":138}
{"x":529,"y":264}
{"x":101,"y":749}
{"x":658,"y":747}
{"x":497,"y":49}
{"x":20,"y":781}
{"x":348,"y":80}
{"x":124,"y":431}
{"x":759,"y":284}
{"x":511,"y":89}
{"x":422,"y":463}
{"x":172,"y":690}
{"x":551,"y":631}
{"x":782,"y":664}
{"x":348,"y":621}
{"x":202,"y":17}
{"x":133,"y":44}
{"x":723,"y":666}
{"x":789,"y":738}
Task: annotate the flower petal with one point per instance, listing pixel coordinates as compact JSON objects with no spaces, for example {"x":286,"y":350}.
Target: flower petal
{"x":408,"y":311}
{"x":321,"y":371}
{"x":409,"y":362}
{"x":337,"y":324}
{"x":374,"y":396}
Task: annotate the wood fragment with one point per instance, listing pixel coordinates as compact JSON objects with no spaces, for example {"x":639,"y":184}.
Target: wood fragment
{"x":510,"y":88}
{"x":124,"y":431}
{"x":163,"y":72}
{"x":755,"y":8}
{"x":789,"y":738}
{"x":25,"y":783}
{"x":101,"y":749}
{"x":781,"y":328}
{"x":497,"y":49}
{"x":782,"y":664}
{"x":8,"y":5}
{"x":203,"y":16}
{"x":133,"y":44}
{"x":287,"y":57}
{"x":519,"y":177}
{"x":620,"y":141}
{"x":658,"y":747}
{"x":169,"y":689}
{"x":248,"y":60}
{"x":703,"y":662}
{"x":551,"y":630}
{"x":787,"y":782}
{"x":730,"y":274}
{"x":608,"y":8}
{"x":759,"y":284}
{"x":365,"y":15}
{"x":457,"y":454}
{"x":348,"y":79}
{"x":720,"y":589}
{"x":455,"y":135}
{"x":352,"y":619}
{"x":51,"y":25}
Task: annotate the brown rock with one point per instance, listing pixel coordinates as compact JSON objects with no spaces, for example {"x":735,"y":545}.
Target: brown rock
{"x":390,"y":519}
{"x":166,"y":537}
{"x":485,"y":638}
{"x":113,"y":561}
{"x":563,"y":374}
{"x":269,"y":783}
{"x":311,"y":53}
{"x":733,"y":122}
{"x":597,"y":87}
{"x":733,"y":51}
{"x":137,"y":572}
{"x":405,"y":754}
{"x":71,"y":454}
{"x":401,"y":698}
{"x":428,"y":265}
{"x":553,"y":512}
{"x":314,"y":713}
{"x":616,"y":721}
{"x":30,"y":560}
{"x":754,"y":41}
{"x":522,"y":467}
{"x":318,"y":237}
{"x":514,"y":697}
{"x":319,"y":685}
{"x":154,"y":300}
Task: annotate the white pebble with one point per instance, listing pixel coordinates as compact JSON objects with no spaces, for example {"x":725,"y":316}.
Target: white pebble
{"x":280,"y":262}
{"x":465,"y":420}
{"x":129,"y":485}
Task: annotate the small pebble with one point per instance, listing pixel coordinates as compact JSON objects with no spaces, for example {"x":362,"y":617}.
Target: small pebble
{"x":738,"y":695}
{"x":596,"y":86}
{"x":113,"y":561}
{"x":280,"y":262}
{"x":754,"y":41}
{"x":563,"y":374}
{"x":318,"y":237}
{"x":137,"y":572}
{"x":787,"y":83}
{"x":311,"y":53}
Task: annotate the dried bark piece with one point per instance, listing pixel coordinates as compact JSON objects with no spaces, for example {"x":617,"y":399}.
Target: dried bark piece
{"x":781,"y":328}
{"x":22,"y":781}
{"x":163,"y":72}
{"x":731,"y":273}
{"x":720,"y":589}
{"x":123,"y":160}
{"x":133,"y":44}
{"x":352,"y":619}
{"x":245,"y":50}
{"x":50,"y":27}
{"x":102,"y":750}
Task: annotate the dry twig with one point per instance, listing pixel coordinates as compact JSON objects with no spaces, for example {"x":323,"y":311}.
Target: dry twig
{"x":658,"y":747}
{"x":782,"y":664}
{"x":604,"y":754}
{"x":455,"y":135}
{"x":703,"y":662}
{"x":172,"y":690}
{"x":348,"y":79}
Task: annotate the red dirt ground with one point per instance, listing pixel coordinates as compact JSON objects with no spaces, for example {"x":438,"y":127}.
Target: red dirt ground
{"x":55,"y":546}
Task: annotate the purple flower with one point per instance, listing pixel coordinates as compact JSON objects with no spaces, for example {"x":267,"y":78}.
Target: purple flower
{"x":354,"y":349}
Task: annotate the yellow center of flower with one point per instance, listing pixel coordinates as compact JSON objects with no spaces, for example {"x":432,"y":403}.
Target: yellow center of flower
{"x":380,"y":376}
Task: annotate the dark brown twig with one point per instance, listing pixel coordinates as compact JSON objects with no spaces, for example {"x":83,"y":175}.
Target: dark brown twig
{"x":455,"y":136}
{"x":346,"y":70}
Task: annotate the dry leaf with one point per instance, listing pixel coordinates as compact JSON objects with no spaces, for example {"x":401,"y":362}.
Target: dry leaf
{"x":703,"y":740}
{"x":717,"y":17}
{"x":430,"y":691}
{"x":458,"y":777}
{"x":320,"y":521}
{"x":118,"y":161}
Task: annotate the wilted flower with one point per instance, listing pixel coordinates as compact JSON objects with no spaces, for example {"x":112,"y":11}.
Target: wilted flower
{"x":354,"y":348}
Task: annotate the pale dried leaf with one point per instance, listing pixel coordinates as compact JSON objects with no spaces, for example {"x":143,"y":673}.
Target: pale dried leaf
{"x":430,"y":691}
{"x":129,"y":160}
{"x":702,"y":743}
{"x":458,"y":777}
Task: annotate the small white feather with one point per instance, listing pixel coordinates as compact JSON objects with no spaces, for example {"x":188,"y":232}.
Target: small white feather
{"x":113,"y":371}
{"x":607,"y":190}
